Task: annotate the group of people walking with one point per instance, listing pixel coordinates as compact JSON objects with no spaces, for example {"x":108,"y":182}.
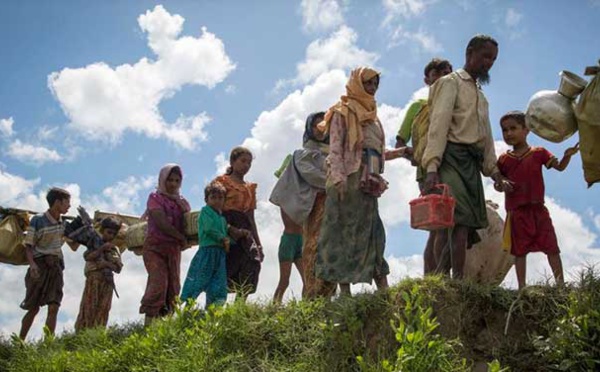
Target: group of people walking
{"x":327,"y":193}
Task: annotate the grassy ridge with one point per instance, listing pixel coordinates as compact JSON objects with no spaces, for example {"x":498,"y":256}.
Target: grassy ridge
{"x":419,"y":325}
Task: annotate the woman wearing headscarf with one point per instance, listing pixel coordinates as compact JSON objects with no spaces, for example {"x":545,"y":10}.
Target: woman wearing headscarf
{"x":352,"y":240}
{"x":300,"y":194}
{"x":165,"y":239}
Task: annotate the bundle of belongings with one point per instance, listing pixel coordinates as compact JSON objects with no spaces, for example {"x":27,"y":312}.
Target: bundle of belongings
{"x":13,"y":224}
{"x":82,"y":231}
{"x":587,"y":112}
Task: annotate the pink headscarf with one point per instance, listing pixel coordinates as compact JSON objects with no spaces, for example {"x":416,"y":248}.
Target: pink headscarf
{"x":165,"y":171}
{"x":161,"y":188}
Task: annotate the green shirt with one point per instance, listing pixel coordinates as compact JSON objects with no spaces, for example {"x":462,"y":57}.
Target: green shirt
{"x":212,"y":228}
{"x":406,"y":128}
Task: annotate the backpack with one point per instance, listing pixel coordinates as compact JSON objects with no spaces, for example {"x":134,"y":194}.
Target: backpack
{"x":420,"y":127}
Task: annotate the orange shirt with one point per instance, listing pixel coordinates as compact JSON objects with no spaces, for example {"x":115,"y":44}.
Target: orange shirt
{"x":240,"y":197}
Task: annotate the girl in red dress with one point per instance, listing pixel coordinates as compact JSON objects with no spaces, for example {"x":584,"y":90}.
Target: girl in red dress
{"x":528,"y":224}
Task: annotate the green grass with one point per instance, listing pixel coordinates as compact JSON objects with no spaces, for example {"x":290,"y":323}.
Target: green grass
{"x":419,"y":325}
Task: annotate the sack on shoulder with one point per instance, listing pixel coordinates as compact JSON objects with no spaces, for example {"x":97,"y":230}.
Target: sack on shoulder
{"x":587,"y":112}
{"x":420,"y":128}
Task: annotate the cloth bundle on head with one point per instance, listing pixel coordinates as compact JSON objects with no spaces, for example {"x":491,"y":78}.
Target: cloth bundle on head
{"x":358,"y":107}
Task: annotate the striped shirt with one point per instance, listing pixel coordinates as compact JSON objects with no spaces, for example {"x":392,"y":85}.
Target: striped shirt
{"x":45,"y":235}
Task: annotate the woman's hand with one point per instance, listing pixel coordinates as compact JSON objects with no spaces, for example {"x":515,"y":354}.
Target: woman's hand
{"x":340,"y":187}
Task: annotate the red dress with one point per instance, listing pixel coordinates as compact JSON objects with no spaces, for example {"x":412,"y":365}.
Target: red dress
{"x":530,"y":223}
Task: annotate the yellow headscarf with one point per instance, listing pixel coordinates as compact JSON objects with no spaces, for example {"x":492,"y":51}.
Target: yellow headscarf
{"x":357,"y":107}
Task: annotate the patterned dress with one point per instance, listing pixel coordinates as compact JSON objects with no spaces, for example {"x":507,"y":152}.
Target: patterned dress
{"x":96,"y":300}
{"x":352,"y":240}
{"x":162,"y":259}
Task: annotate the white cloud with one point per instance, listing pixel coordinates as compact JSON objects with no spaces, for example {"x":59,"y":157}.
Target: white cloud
{"x":231,"y":89}
{"x":33,"y":154}
{"x":426,"y":41}
{"x":103,"y":103}
{"x":6,"y":127}
{"x":339,"y":51}
{"x":123,"y":197}
{"x":46,"y":132}
{"x":14,"y":188}
{"x":398,"y":10}
{"x":404,"y":8}
{"x":321,"y":15}
{"x":510,"y":23}
{"x":513,"y":18}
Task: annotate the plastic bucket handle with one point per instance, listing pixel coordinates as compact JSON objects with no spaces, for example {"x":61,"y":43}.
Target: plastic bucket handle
{"x":441,"y":186}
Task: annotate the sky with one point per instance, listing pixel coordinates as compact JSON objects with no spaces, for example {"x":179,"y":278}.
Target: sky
{"x":97,"y":96}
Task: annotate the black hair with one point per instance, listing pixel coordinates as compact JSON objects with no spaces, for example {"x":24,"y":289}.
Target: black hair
{"x":177,"y":171}
{"x":214,"y":187}
{"x":235,"y":154}
{"x":516,"y":115}
{"x":436,"y":64}
{"x":478,"y":41}
{"x":56,"y":194}
{"x":110,"y":223}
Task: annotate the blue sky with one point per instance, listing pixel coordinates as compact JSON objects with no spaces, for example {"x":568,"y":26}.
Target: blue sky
{"x":97,"y":96}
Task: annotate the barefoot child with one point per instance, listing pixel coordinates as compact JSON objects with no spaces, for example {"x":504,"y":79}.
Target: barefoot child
{"x":101,"y":262}
{"x":528,"y":224}
{"x":208,"y":272}
{"x":44,"y":278}
{"x":246,"y":254}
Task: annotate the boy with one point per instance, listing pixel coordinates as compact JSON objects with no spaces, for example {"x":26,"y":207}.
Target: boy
{"x":207,"y":272}
{"x":44,"y":278}
{"x":101,"y":261}
{"x":528,"y":224}
{"x":415,"y":125}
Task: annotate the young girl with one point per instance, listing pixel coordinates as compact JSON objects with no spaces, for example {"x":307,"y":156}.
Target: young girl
{"x":165,"y":239}
{"x":528,"y":224}
{"x":100,"y":264}
{"x":246,"y":254}
{"x":207,"y":272}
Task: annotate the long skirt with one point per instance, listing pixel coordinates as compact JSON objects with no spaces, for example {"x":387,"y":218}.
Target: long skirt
{"x":310,"y":237}
{"x":96,"y":301}
{"x":242,"y":266}
{"x":461,"y":170}
{"x":47,"y":289}
{"x":352,"y":240}
{"x":163,"y":267}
